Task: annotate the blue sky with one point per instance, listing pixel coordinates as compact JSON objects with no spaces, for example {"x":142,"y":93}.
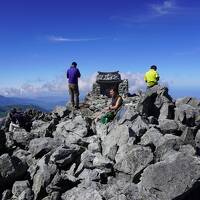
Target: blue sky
{"x":40,"y":39}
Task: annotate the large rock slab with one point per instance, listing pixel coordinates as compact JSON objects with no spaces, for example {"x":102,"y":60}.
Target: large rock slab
{"x":27,"y":194}
{"x":65,"y":155}
{"x":188,"y":136}
{"x":11,"y":168}
{"x":82,"y":193}
{"x":164,"y":180}
{"x":121,"y":190}
{"x":19,"y":187}
{"x":168,"y":126}
{"x":153,"y":100}
{"x":167,"y":144}
{"x":116,"y":138}
{"x":6,"y":195}
{"x":71,"y":130}
{"x":61,"y":111}
{"x":194,"y":102}
{"x":132,"y":159}
{"x":187,"y":115}
{"x":152,"y":136}
{"x":41,"y":146}
{"x":126,"y":113}
{"x":197,"y":139}
{"x":41,"y":128}
{"x":43,"y":176}
{"x":139,"y":126}
{"x":62,"y":182}
{"x":167,"y":111}
{"x":22,"y":138}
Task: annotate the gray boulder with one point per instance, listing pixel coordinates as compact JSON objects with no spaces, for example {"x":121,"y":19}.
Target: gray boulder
{"x":61,"y":182}
{"x":87,"y":158}
{"x":197,"y":139}
{"x":116,"y":138}
{"x":168,"y":126}
{"x":71,"y":131}
{"x":139,"y":126}
{"x":90,"y":175}
{"x":9,"y":140}
{"x":132,"y":192}
{"x":187,"y":114}
{"x":153,"y":100}
{"x":82,"y":193}
{"x":11,"y":168}
{"x":102,"y":130}
{"x":126,"y":113}
{"x":53,"y":196}
{"x":41,"y":146}
{"x":167,"y":111}
{"x":167,"y":144}
{"x":189,"y":101}
{"x":61,"y":111}
{"x":93,"y":143}
{"x":22,"y":138}
{"x":119,"y":197}
{"x":43,"y":176}
{"x":19,"y":187}
{"x":27,"y":194}
{"x":41,"y":128}
{"x":152,"y":136}
{"x":188,"y":136}
{"x":188,"y":149}
{"x":164,"y":180}
{"x":121,"y":189}
{"x":132,"y":159}
{"x":102,"y":162}
{"x":6,"y":195}
{"x":65,"y":155}
{"x":94,"y":147}
{"x":21,"y":155}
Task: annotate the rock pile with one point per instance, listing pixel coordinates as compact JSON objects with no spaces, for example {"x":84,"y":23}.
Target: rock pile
{"x":149,"y":152}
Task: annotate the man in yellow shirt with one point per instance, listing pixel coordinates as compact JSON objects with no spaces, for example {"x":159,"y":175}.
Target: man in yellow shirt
{"x":152,"y":77}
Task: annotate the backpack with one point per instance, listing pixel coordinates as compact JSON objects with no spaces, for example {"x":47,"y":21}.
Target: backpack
{"x":108,"y":117}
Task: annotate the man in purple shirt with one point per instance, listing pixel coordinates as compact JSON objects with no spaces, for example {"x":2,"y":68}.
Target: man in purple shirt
{"x":73,"y":74}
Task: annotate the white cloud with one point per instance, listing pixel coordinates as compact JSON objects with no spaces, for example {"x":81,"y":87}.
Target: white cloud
{"x":164,"y":8}
{"x":151,"y":12}
{"x":136,"y":81}
{"x":59,"y":86}
{"x":64,"y":39}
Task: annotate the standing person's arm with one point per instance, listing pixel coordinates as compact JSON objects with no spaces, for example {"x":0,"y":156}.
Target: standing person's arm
{"x":145,"y":78}
{"x":78,"y":73}
{"x":157,"y":76}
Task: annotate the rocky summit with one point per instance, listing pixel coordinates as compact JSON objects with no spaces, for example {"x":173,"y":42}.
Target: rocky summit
{"x":150,"y":151}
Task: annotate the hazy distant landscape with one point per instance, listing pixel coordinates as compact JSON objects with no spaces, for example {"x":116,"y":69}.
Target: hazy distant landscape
{"x":44,"y":104}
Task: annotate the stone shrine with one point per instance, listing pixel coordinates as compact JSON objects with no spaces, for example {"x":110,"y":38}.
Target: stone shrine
{"x":107,"y":80}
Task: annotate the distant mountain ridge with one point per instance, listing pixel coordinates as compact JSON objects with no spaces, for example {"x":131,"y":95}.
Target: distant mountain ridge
{"x":46,"y":103}
{"x":5,"y":109}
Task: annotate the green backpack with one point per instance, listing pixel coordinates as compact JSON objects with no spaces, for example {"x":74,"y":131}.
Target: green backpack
{"x":108,"y":117}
